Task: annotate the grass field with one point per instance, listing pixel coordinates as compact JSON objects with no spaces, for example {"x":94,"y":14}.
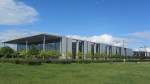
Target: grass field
{"x":103,"y":73}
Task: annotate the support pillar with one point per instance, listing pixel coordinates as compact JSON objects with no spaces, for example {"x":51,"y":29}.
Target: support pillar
{"x":95,"y":48}
{"x":85,"y":49}
{"x":26,"y":46}
{"x":44,"y":43}
{"x":60,"y":46}
{"x":95,"y":51}
{"x":77,"y":49}
{"x":4,"y":44}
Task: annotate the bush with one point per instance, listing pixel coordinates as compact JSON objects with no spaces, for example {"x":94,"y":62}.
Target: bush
{"x":43,"y":54}
{"x":83,"y":61}
{"x":34,"y":62}
{"x":21,"y":61}
{"x":6,"y":52}
{"x":68,"y":55}
{"x":97,"y":55}
{"x":80,"y":55}
{"x":89,"y":55}
{"x":53,"y":54}
{"x":23,"y":53}
{"x":60,"y":61}
{"x":33,"y":51}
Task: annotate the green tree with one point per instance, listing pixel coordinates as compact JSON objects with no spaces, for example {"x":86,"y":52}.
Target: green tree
{"x":89,"y":55}
{"x":103,"y":55}
{"x":6,"y":52}
{"x":68,"y":55}
{"x":54,"y":54}
{"x":80,"y":55}
{"x":97,"y":55}
{"x":43,"y":54}
{"x":23,"y":53}
{"x":33,"y":51}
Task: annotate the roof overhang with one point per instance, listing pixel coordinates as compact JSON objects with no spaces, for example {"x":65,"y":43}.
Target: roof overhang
{"x":36,"y":39}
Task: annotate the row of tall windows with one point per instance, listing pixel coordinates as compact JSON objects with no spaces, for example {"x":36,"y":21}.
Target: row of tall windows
{"x":49,"y":46}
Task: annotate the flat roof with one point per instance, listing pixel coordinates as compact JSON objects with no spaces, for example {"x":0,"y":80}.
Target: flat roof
{"x":36,"y":39}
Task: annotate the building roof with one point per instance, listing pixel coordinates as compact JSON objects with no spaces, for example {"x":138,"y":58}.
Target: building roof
{"x":36,"y":39}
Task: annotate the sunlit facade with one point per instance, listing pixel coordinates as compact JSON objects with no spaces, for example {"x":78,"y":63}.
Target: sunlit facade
{"x":66,"y":45}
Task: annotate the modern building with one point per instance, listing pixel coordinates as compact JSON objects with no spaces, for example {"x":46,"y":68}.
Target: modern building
{"x":66,"y":45}
{"x":141,"y":54}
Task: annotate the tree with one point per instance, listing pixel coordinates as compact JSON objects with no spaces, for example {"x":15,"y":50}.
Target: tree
{"x":6,"y":52}
{"x":97,"y":55}
{"x":53,"y":54}
{"x":80,"y":55}
{"x":23,"y":53}
{"x":103,"y":55}
{"x":33,"y":51}
{"x":89,"y":55}
{"x":68,"y":55}
{"x":43,"y":54}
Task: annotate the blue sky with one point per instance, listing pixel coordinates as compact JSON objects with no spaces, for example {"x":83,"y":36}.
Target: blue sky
{"x":118,"y":18}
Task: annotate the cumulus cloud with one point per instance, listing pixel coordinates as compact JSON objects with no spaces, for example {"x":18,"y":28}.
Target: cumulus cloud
{"x":142,"y":49}
{"x":145,"y":34}
{"x":104,"y":38}
{"x":14,"y":12}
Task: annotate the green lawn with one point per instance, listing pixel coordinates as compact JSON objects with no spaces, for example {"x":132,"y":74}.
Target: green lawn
{"x":103,"y":73}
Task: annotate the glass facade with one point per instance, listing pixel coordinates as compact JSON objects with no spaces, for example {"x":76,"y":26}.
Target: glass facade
{"x":48,"y":46}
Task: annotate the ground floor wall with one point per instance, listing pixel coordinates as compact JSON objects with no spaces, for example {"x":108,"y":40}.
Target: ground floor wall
{"x":75,"y":47}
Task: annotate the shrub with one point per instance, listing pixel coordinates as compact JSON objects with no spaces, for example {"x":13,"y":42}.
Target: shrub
{"x":34,"y":62}
{"x":43,"y":54}
{"x":15,"y":54}
{"x":103,"y":55}
{"x":97,"y":55}
{"x":61,"y":61}
{"x":6,"y":52}
{"x":68,"y":55}
{"x":80,"y":61}
{"x":80,"y":55}
{"x":33,"y":51}
{"x":20,"y":61}
{"x":53,"y":54}
{"x":89,"y":55}
{"x":23,"y":53}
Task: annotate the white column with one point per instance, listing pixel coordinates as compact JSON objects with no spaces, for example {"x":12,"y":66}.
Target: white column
{"x":44,"y":43}
{"x":77,"y":49}
{"x":85,"y":49}
{"x":95,"y":48}
{"x":26,"y":46}
{"x":4,"y":45}
{"x":60,"y":46}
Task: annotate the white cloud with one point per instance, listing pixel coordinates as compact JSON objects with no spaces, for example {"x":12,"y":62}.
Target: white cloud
{"x":142,"y":49}
{"x":145,"y":34}
{"x":14,"y":12}
{"x":104,"y":38}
